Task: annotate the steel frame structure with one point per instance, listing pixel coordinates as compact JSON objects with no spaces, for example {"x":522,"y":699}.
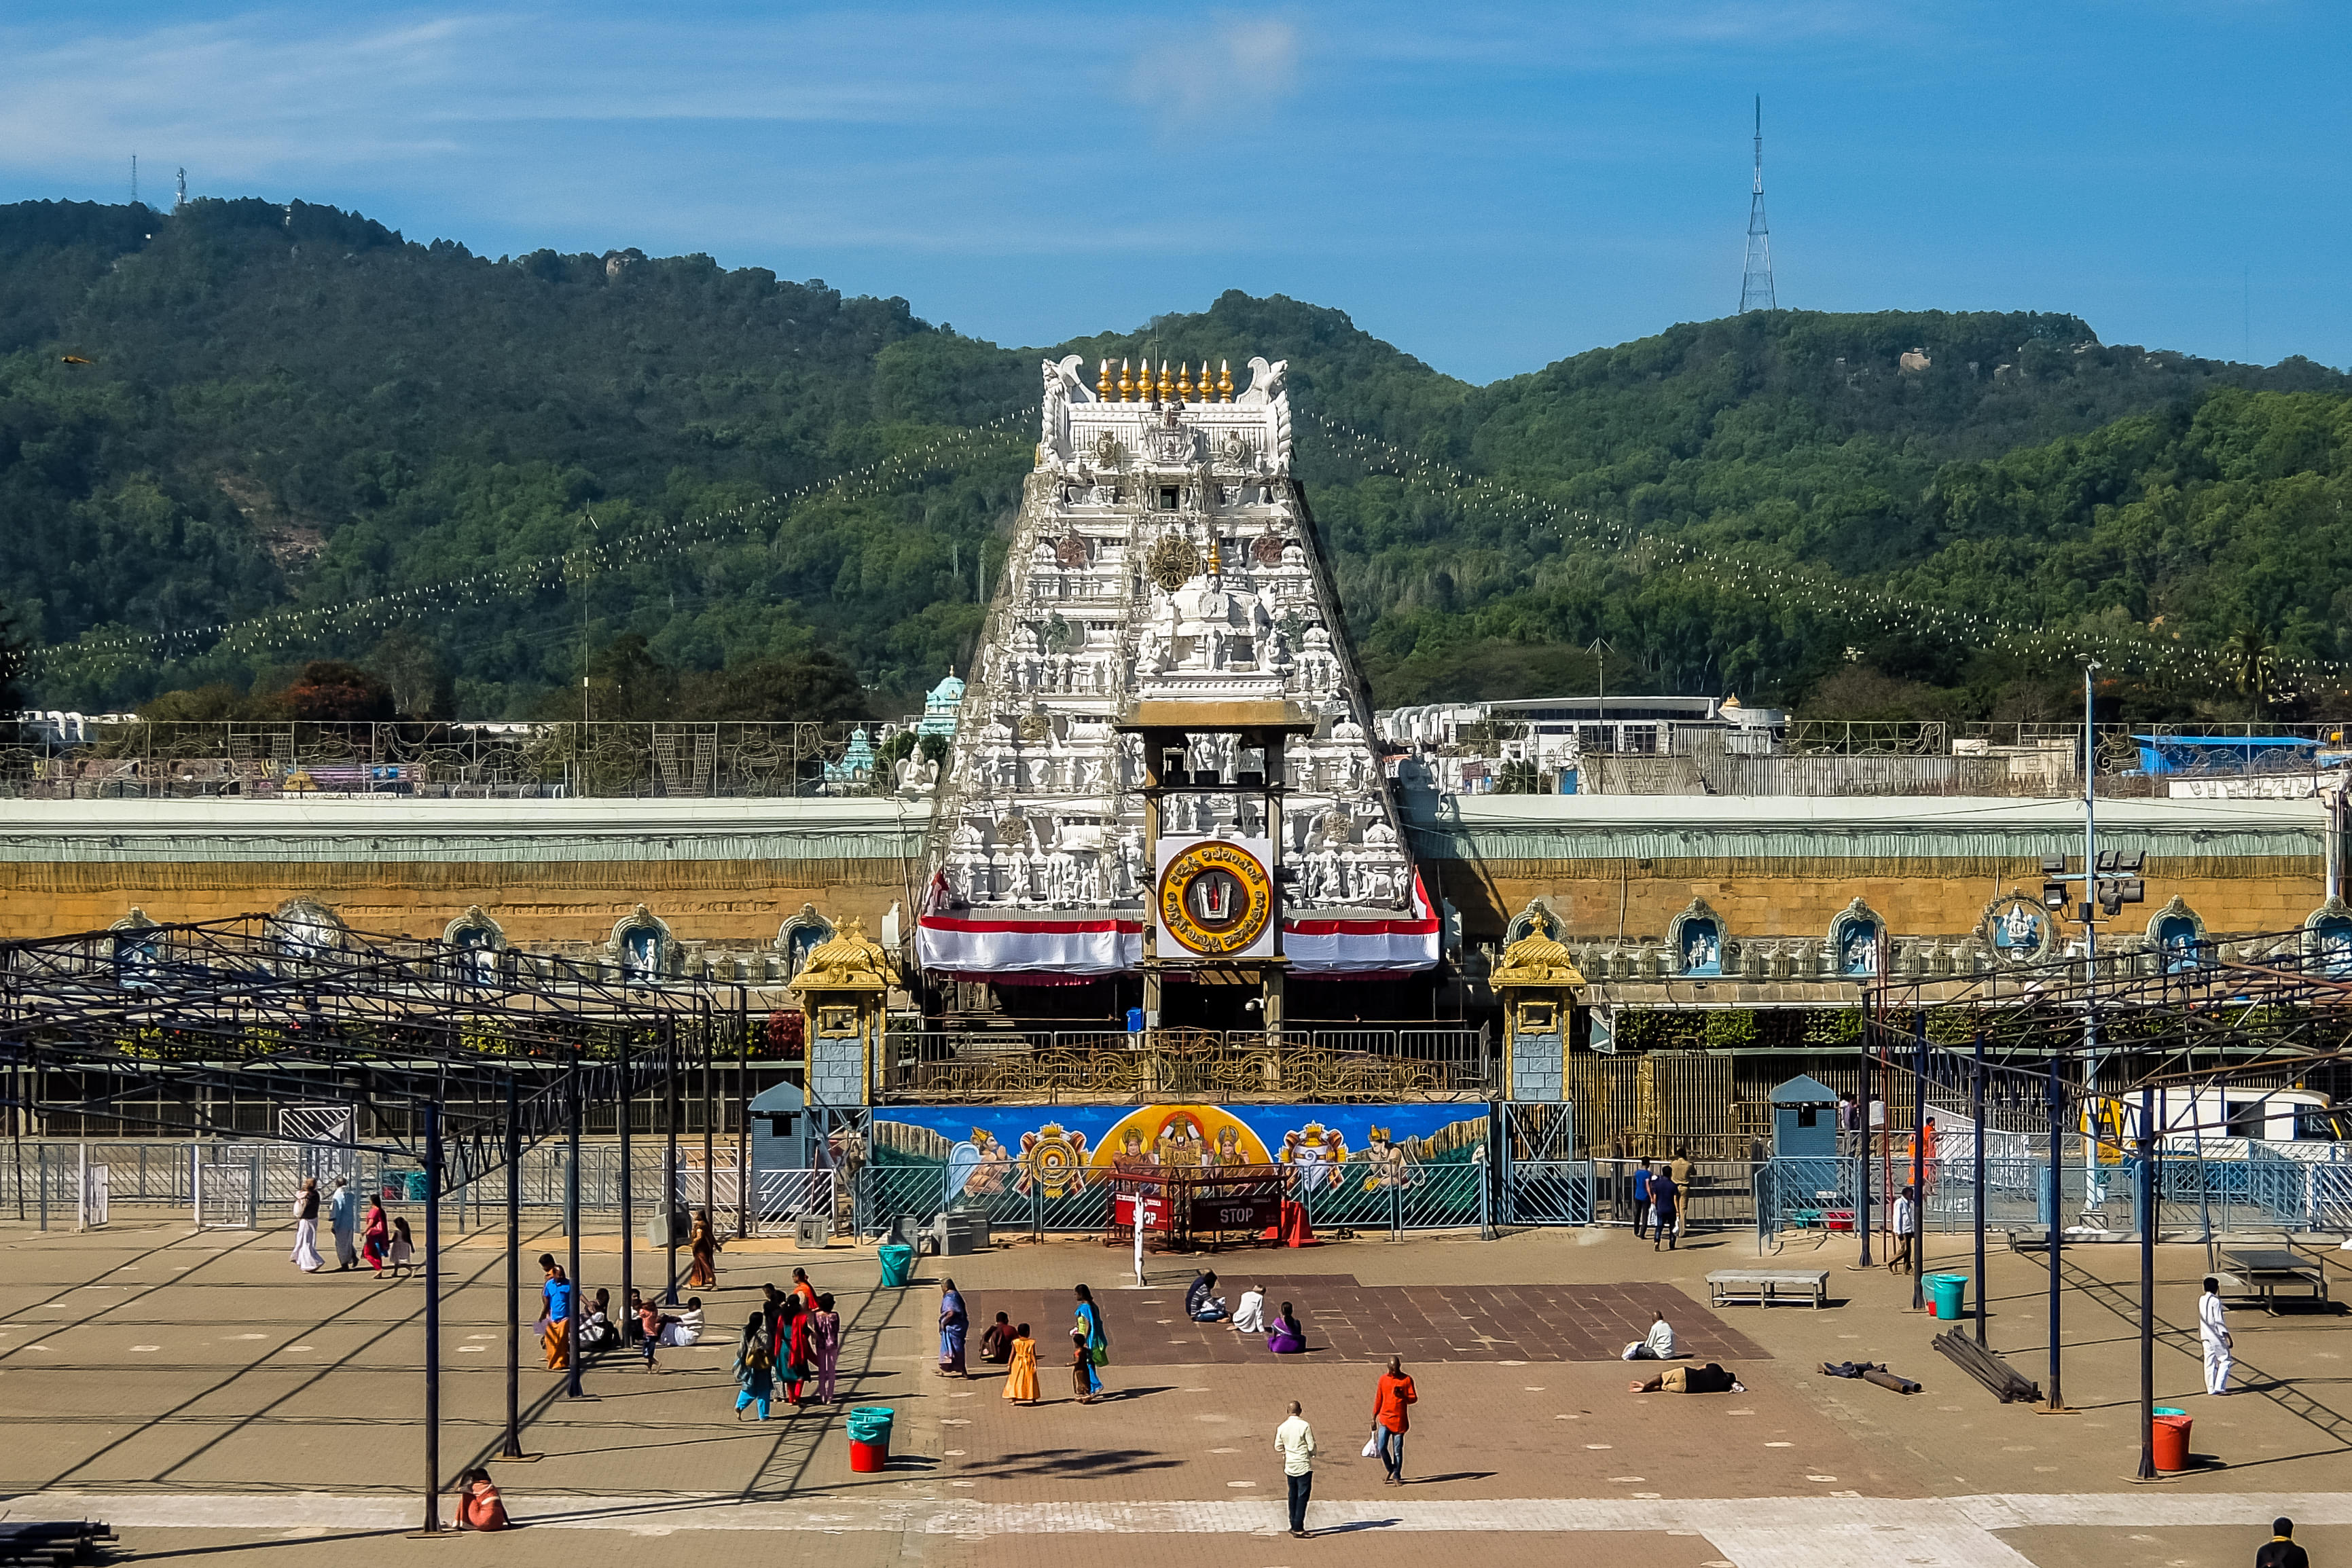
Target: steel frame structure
{"x":2079,"y":1032}
{"x":262,"y":1005}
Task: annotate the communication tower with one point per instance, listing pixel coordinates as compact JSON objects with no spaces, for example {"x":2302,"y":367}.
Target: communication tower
{"x":180,"y":197}
{"x":1756,"y":279}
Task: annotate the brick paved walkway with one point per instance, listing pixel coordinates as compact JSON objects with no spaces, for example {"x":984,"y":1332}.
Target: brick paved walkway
{"x":1347,"y":1322}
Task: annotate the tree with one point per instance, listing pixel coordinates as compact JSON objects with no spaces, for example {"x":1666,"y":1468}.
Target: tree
{"x":2253,"y":665}
{"x":330,"y":689}
{"x":808,"y":687}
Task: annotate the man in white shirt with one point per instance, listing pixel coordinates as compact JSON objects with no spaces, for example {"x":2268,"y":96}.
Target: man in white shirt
{"x":1295,"y":1441}
{"x":1250,"y":1316}
{"x":1905,"y":1223}
{"x":2213,"y":1334}
{"x":685,"y":1328}
{"x":1658,"y":1345}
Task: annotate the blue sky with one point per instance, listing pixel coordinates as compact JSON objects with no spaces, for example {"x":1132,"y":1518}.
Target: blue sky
{"x":1489,"y":187}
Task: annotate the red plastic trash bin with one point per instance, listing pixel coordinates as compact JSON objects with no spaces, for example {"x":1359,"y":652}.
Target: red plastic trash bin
{"x":869,"y":1458}
{"x":2170,"y":1435}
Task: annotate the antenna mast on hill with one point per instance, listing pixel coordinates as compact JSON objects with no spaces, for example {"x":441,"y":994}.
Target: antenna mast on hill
{"x":179,"y":198}
{"x":1756,"y":280}
{"x":134,"y":178}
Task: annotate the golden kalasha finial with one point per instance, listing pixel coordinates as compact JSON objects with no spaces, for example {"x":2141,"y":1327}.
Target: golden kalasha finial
{"x":1184,"y":380}
{"x":1216,"y":561}
{"x":1225,"y":381}
{"x":1126,"y":387}
{"x":1102,"y":382}
{"x":1208,"y":387}
{"x":1167,"y":387}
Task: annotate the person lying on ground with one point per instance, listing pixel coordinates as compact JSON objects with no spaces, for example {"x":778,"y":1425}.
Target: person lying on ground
{"x":1707,"y":1379}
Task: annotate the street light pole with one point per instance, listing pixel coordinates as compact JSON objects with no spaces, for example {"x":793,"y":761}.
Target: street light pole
{"x":2147,"y":1284}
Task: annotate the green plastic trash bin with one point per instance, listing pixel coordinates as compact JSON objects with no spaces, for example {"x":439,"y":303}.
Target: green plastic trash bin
{"x":1948,"y":1292}
{"x":415,"y":1186}
{"x":897,"y":1264}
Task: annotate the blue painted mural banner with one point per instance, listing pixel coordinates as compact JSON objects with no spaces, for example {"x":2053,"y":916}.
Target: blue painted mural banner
{"x":985,"y":1151}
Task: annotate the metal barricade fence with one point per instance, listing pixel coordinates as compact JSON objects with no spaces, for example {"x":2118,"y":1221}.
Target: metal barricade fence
{"x":1547,"y":1192}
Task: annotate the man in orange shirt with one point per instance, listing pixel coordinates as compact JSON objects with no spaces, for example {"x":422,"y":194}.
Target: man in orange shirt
{"x":1389,"y":1422}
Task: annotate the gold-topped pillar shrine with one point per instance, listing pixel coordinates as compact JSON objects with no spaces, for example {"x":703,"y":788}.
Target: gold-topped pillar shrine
{"x":843,"y":987}
{"x":1538,"y":982}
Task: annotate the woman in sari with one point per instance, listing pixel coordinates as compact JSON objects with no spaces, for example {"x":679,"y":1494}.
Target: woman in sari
{"x":377,"y":1241}
{"x":954,"y":1323}
{"x":1287,"y":1338}
{"x":825,"y":1334}
{"x":798,"y":1353}
{"x":1020,"y":1382}
{"x":1097,"y":1342}
{"x":703,"y":1272}
{"x":803,"y":1289}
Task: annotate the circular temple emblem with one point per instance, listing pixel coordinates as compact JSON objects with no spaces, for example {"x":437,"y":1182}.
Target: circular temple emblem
{"x":1215,"y":898}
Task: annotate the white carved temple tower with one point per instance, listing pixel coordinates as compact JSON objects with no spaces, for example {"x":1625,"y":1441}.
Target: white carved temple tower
{"x":1163,"y":563}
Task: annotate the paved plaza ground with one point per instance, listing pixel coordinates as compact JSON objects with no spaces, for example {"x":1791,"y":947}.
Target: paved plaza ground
{"x":214,"y":1403}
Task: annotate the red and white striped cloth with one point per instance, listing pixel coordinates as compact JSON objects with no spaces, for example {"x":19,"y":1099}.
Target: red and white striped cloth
{"x":988,"y":943}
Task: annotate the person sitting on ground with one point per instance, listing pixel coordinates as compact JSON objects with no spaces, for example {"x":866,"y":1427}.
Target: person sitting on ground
{"x":1658,"y":1346}
{"x":479,"y":1507}
{"x":1287,"y":1337}
{"x":996,"y":1341}
{"x":1202,"y":1303}
{"x":1707,"y":1379}
{"x":685,"y":1327}
{"x":596,"y":1330}
{"x":1250,"y":1316}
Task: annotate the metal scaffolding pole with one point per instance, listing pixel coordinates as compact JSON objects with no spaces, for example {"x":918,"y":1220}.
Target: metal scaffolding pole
{"x":433,"y":1178}
{"x":571,"y":1228}
{"x":628,"y":1214}
{"x":2147,"y":1284}
{"x":1976,"y":1109}
{"x":669,"y":1160}
{"x":513,"y":1448}
{"x":2057,"y":1228}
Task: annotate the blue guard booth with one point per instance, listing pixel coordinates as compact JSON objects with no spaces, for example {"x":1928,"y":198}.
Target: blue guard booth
{"x":1804,"y":1120}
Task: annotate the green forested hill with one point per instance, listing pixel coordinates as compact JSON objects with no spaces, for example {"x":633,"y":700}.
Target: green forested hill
{"x":298,"y":435}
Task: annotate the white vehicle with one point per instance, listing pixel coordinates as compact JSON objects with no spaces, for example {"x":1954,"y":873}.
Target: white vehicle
{"x":2222,"y":1119}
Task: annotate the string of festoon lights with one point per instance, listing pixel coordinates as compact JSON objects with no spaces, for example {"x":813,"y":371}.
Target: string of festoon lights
{"x":1855,"y":603}
{"x":593,"y":558}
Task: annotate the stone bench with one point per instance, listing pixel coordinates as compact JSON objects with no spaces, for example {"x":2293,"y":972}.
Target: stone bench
{"x":1762,"y":1286}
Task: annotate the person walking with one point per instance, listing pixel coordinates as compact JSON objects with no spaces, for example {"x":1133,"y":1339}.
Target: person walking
{"x":1021,"y":1379}
{"x":378,"y":1239}
{"x":702,"y":1274}
{"x":755,"y":1368}
{"x":343,"y":1219}
{"x":2213,"y":1337}
{"x":1679,"y":1167}
{"x":2280,"y":1550}
{"x":306,"y":1228}
{"x":796,"y":1355}
{"x":1295,"y":1441}
{"x":1642,"y":1178}
{"x":649,"y":1325}
{"x":825,"y":1339}
{"x":404,"y":1246}
{"x":1097,"y":1342}
{"x":1905,"y":1222}
{"x":555,"y":1312}
{"x":955,"y":1323}
{"x":1665,"y":1203}
{"x":1391,"y":1398}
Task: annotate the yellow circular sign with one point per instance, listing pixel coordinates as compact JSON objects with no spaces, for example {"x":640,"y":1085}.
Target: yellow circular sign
{"x":1215,"y":898}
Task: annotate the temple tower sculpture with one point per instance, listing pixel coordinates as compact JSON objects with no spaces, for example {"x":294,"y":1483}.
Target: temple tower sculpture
{"x":1163,"y":590}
